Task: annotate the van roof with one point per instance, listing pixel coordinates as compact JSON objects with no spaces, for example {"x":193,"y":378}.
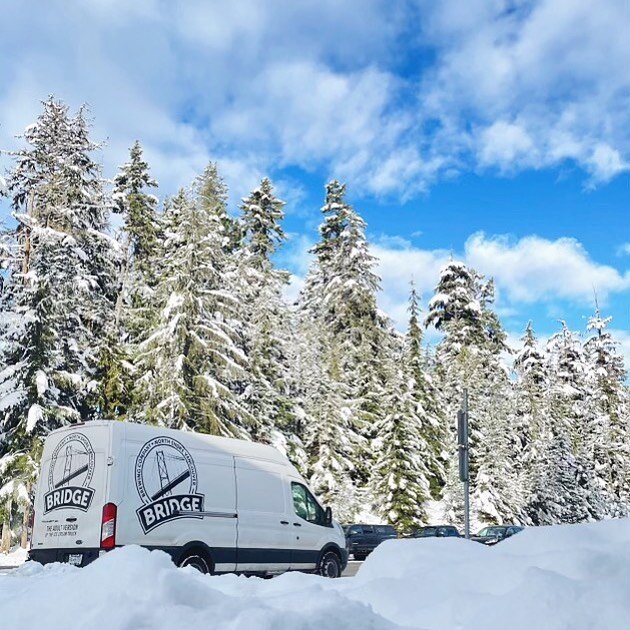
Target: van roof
{"x":238,"y":448}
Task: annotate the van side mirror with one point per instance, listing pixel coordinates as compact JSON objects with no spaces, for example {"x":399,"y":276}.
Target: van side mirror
{"x":328,"y":517}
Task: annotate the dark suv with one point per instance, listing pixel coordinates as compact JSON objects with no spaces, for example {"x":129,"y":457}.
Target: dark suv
{"x":363,"y":539}
{"x":496,"y":533}
{"x":435,"y":531}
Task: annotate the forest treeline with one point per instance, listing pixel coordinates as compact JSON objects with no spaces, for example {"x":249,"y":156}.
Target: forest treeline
{"x":177,"y":318}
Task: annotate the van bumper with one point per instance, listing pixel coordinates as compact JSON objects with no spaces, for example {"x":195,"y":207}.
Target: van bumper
{"x":46,"y":556}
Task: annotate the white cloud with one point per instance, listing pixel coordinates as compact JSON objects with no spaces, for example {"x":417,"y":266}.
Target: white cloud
{"x":318,"y":85}
{"x":505,"y":144}
{"x":534,"y":269}
{"x":541,"y":81}
{"x":526,"y":271}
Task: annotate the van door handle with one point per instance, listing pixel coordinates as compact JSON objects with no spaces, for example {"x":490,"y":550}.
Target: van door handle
{"x":284,"y":522}
{"x":298,"y":524}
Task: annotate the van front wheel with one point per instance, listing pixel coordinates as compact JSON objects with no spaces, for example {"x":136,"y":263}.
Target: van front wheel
{"x":330,"y":565}
{"x":196,"y":560}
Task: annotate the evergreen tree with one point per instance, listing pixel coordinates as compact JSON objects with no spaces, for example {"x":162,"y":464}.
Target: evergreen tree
{"x":608,"y":400}
{"x":140,"y":248}
{"x":468,"y":357}
{"x":401,"y":477}
{"x":433,"y":428}
{"x":331,"y":442}
{"x":340,"y":296}
{"x":570,"y":424}
{"x":192,"y":361}
{"x":139,"y":211}
{"x":268,"y":321}
{"x":211,"y":193}
{"x":529,"y":421}
{"x":59,"y":290}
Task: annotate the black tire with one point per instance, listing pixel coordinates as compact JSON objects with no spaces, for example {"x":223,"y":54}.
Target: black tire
{"x":359,"y":556}
{"x":197,"y":559}
{"x":330,"y":565}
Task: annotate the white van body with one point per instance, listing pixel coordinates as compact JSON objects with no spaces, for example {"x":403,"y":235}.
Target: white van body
{"x":238,"y":505}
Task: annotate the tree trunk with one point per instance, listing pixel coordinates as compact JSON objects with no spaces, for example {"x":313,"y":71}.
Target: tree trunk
{"x":5,"y":544}
{"x":25,"y":523}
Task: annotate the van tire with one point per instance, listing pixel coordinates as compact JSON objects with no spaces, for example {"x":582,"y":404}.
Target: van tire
{"x":197,"y":559}
{"x":330,"y":565}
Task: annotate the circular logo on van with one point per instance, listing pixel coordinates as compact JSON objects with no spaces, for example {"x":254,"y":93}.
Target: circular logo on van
{"x":69,"y":474}
{"x":166,"y":481}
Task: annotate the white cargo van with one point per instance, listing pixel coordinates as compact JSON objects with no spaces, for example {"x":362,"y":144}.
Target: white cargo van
{"x":217,"y":504}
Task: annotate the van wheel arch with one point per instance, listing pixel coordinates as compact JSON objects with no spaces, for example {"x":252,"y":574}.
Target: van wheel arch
{"x":196,"y":554}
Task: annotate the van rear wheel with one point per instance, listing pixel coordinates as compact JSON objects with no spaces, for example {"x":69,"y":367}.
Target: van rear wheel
{"x":196,"y":560}
{"x":330,"y":565}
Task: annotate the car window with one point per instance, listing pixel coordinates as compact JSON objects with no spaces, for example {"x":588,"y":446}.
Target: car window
{"x":368,"y":529}
{"x":305,"y":504}
{"x":428,"y":531}
{"x":355,"y":529}
{"x":385,"y":529}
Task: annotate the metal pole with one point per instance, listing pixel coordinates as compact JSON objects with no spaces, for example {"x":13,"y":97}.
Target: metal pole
{"x":467,"y":480}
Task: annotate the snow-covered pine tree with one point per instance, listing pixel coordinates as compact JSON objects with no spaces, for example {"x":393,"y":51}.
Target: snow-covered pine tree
{"x":60,"y":287}
{"x":212,"y":194}
{"x":267,"y":321}
{"x":138,"y":208}
{"x":330,"y":439}
{"x":192,"y":360}
{"x":571,"y":426}
{"x":609,"y":421}
{"x":433,"y":428}
{"x":340,"y":296}
{"x":401,"y":476}
{"x":530,"y":422}
{"x":140,"y":248}
{"x":468,"y":357}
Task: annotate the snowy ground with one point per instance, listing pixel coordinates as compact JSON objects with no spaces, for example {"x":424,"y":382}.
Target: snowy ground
{"x":543,"y":579}
{"x":15,"y":558}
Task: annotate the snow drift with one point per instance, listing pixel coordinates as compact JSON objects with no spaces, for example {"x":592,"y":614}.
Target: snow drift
{"x":544,"y":579}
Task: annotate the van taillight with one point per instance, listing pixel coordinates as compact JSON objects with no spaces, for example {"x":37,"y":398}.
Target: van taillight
{"x":108,"y":527}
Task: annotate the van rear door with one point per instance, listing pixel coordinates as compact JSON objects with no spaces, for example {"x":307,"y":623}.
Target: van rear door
{"x":71,"y":492}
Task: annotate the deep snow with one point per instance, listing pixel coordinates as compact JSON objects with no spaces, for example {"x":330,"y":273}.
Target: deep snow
{"x":564,"y":577}
{"x":13,"y":559}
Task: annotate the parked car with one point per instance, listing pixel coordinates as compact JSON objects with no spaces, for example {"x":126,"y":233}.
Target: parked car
{"x":362,"y":539}
{"x":436,"y":531}
{"x":496,"y":533}
{"x":216,"y":504}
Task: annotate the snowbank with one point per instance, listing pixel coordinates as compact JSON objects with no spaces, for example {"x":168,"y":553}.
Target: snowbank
{"x":543,"y":579}
{"x":17,"y":557}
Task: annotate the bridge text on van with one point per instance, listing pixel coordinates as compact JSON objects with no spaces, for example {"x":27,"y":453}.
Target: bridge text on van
{"x":69,"y":497}
{"x":169,"y":508}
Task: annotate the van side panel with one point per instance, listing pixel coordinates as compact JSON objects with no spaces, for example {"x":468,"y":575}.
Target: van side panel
{"x":177,"y":493}
{"x":264,"y":527}
{"x":71,"y":492}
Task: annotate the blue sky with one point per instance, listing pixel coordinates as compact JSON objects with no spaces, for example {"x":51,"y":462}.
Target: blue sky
{"x":495,"y":131}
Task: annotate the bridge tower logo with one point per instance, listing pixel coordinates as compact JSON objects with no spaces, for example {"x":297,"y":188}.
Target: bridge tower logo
{"x":166,"y":480}
{"x":70,"y":474}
